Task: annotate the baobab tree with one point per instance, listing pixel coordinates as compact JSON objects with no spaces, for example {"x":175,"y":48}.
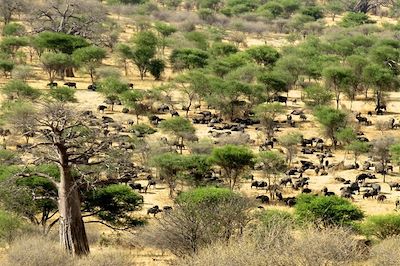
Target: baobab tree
{"x":65,"y":138}
{"x":365,"y":6}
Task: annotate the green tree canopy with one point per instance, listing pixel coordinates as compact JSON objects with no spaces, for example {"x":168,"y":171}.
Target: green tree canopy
{"x":233,"y":160}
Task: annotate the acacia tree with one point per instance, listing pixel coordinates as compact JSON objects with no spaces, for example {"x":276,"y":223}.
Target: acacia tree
{"x":381,"y":79}
{"x":124,"y":52}
{"x":233,"y":160}
{"x":169,"y":166}
{"x":58,"y":43}
{"x":332,"y":120}
{"x":181,"y":128}
{"x":112,"y":88}
{"x":65,"y":138}
{"x":145,"y":44}
{"x":164,"y":30}
{"x":289,"y":142}
{"x":267,"y":114}
{"x":192,"y":85}
{"x":358,"y":148}
{"x":381,"y":150}
{"x":89,"y":58}
{"x":55,"y":63}
{"x":338,"y":79}
{"x":273,"y":164}
{"x":133,"y":99}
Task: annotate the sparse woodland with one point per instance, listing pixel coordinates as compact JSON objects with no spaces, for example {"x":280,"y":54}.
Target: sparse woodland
{"x":199,"y":132}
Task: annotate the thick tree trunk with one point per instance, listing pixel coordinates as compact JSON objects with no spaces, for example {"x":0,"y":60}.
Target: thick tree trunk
{"x":69,"y":72}
{"x":72,"y":229}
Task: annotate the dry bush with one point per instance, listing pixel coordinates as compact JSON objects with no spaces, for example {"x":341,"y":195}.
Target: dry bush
{"x":191,"y":226}
{"x":330,"y":246}
{"x":37,"y":251}
{"x":281,"y":246}
{"x":386,"y":252}
{"x":109,"y":257}
{"x":235,"y":139}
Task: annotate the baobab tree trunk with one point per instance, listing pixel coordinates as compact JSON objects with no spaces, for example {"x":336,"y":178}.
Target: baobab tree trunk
{"x":69,"y":72}
{"x":72,"y":229}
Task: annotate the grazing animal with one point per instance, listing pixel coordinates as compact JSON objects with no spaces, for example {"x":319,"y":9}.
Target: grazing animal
{"x":306,"y":190}
{"x":152,"y":183}
{"x":163,"y":108}
{"x":381,"y":198}
{"x":154,"y":210}
{"x":278,"y":195}
{"x":136,"y":186}
{"x":340,"y":179}
{"x":291,"y":201}
{"x":52,"y":84}
{"x":281,"y":99}
{"x":259,"y":184}
{"x":174,"y":113}
{"x":370,"y":194}
{"x":92,"y":87}
{"x":363,"y":176}
{"x":264,"y":199}
{"x":101,"y":108}
{"x":303,"y":117}
{"x":393,"y":185}
{"x":70,"y":84}
{"x":285,"y":181}
{"x":397,"y":204}
{"x":167,"y":208}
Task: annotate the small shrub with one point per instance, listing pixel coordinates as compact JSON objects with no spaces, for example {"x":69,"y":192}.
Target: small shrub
{"x":326,"y":210}
{"x":382,"y":226}
{"x":201,"y":217}
{"x":11,"y":227}
{"x":23,"y":72}
{"x":353,"y":19}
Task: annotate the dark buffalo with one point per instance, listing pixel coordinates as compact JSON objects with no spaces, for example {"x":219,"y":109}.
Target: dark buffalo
{"x":154,"y":210}
{"x":70,"y":84}
{"x":92,"y":87}
{"x":101,"y":108}
{"x":264,"y":199}
{"x":52,"y":84}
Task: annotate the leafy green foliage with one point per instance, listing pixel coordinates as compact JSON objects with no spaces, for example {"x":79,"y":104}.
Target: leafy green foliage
{"x":63,"y":94}
{"x":317,"y":96}
{"x":381,"y":226}
{"x":332,"y":120}
{"x":59,"y":42}
{"x":19,"y":90}
{"x":263,"y":55}
{"x":156,"y":68}
{"x":395,"y":153}
{"x":186,"y":58}
{"x":346,"y":135}
{"x":112,"y":204}
{"x":11,"y":227}
{"x":14,"y":29}
{"x":353,"y":19}
{"x":206,"y":195}
{"x":89,"y":58}
{"x":142,"y":129}
{"x":233,"y":160}
{"x":326,"y":210}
